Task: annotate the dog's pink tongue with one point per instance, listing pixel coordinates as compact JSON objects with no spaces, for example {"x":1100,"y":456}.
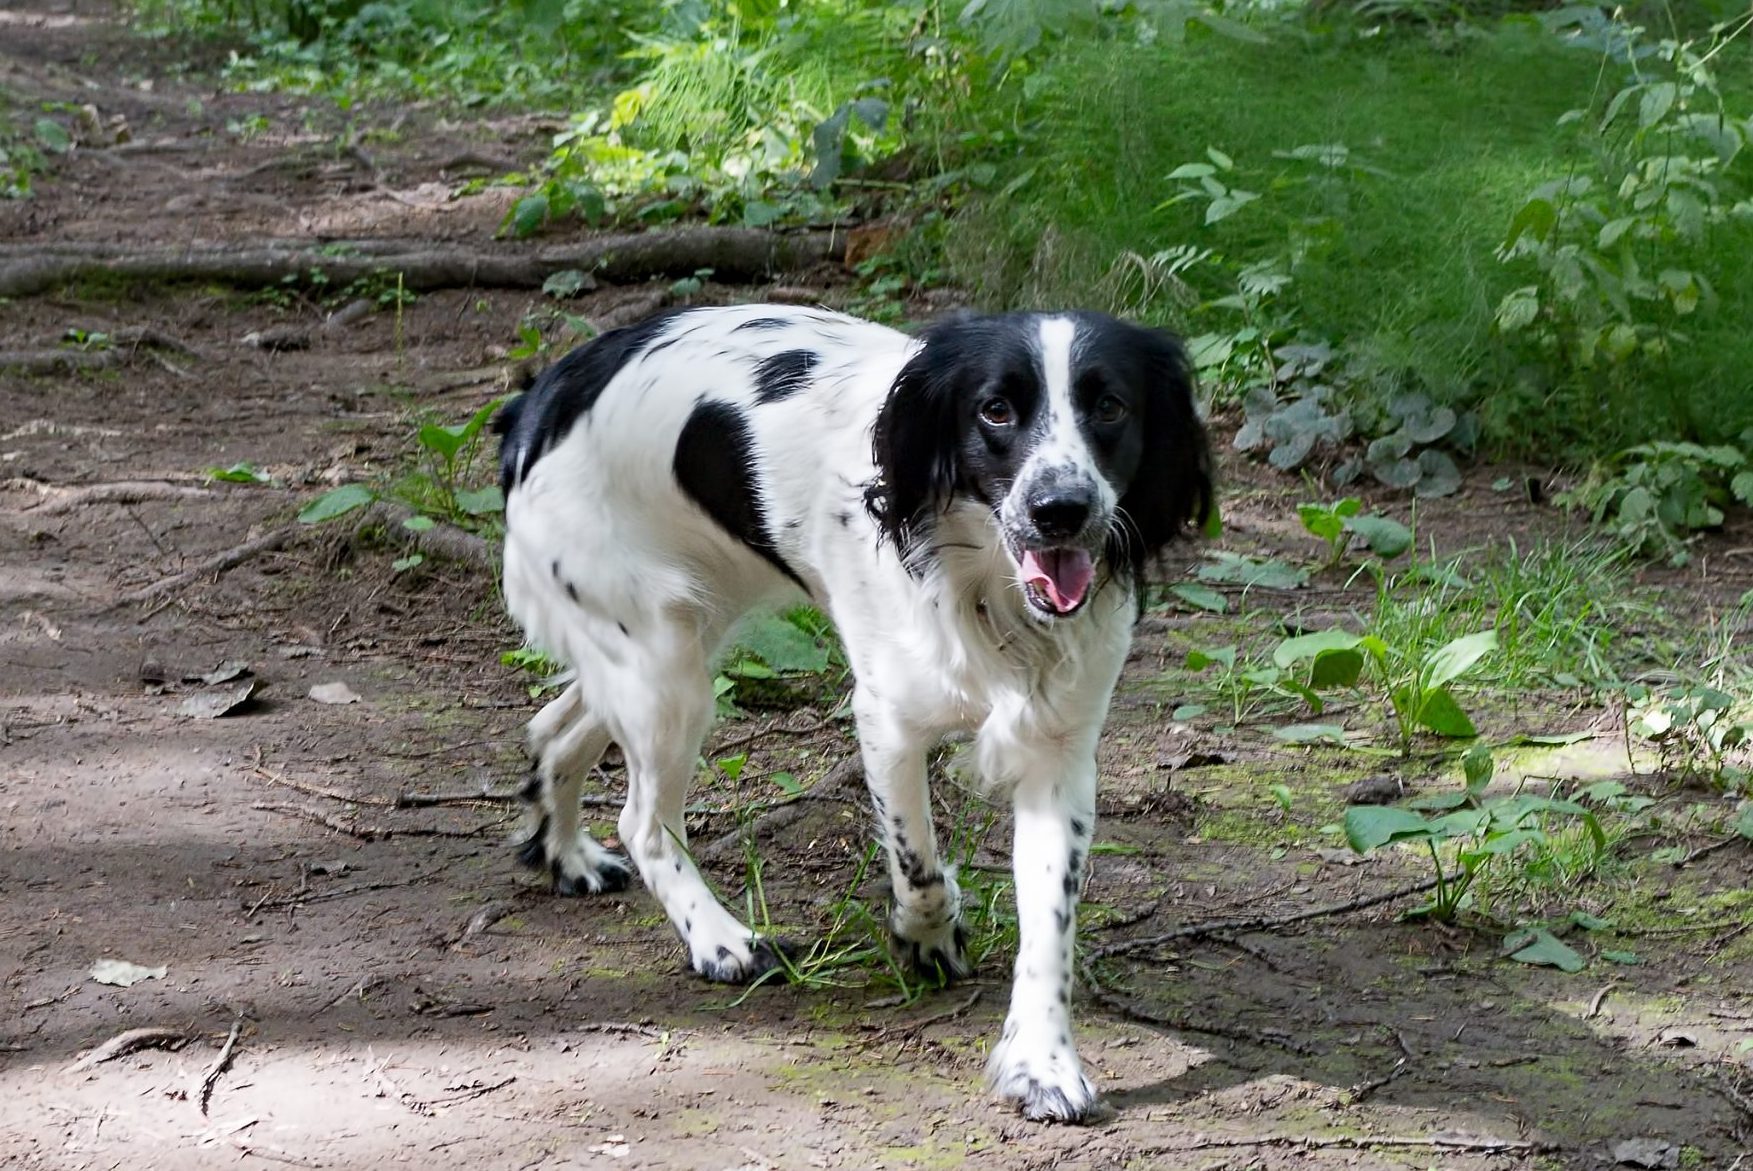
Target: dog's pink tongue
{"x":1064,"y":573}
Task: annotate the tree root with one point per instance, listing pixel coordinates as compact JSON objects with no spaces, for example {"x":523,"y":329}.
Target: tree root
{"x":732,"y":254}
{"x":217,"y":564}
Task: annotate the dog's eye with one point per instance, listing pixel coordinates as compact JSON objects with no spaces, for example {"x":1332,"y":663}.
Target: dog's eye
{"x":997,"y":412}
{"x":1109,"y":409}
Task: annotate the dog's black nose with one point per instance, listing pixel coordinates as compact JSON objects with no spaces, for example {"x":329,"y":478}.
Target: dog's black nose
{"x":1060,"y":512}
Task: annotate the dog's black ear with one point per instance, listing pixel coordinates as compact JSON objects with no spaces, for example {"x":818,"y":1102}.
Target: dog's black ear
{"x":1173,"y":486}
{"x":917,"y":441}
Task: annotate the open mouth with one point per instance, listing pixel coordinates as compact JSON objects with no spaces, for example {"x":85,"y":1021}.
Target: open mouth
{"x":1057,"y":581}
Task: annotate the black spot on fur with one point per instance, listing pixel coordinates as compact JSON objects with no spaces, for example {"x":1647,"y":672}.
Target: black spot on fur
{"x":784,"y":374}
{"x":1064,"y":997}
{"x":541,"y":417}
{"x":762,"y":323}
{"x":623,"y":627}
{"x":1063,"y":918}
{"x":532,"y":788}
{"x":556,"y":568}
{"x":1070,"y":884}
{"x":844,"y":517}
{"x":572,"y":591}
{"x":715,"y":466}
{"x":1077,"y":828}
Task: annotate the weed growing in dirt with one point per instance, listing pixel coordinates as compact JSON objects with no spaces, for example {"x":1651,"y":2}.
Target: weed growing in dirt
{"x":1657,"y":496}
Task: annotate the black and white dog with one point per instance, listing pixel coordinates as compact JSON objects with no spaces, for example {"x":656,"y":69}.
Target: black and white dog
{"x":972,"y":507}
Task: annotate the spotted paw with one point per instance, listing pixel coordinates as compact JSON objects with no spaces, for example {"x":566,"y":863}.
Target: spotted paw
{"x":747,"y":962}
{"x":1041,"y":1077}
{"x":576,"y":868}
{"x":940,"y":954}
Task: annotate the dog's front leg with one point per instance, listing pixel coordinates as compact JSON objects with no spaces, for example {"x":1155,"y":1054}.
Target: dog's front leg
{"x":926,"y":921}
{"x":1035,"y":1064}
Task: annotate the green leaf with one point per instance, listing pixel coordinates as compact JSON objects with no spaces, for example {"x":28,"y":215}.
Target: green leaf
{"x":1189,"y":711}
{"x":1518,"y":308}
{"x":787,"y":783}
{"x":1198,"y":660}
{"x":1590,"y":922}
{"x":481,"y":501}
{"x":782,"y":646}
{"x":1369,"y":827}
{"x":1657,"y":100}
{"x":567,"y":283}
{"x":1271,"y":574}
{"x":1200,"y":597}
{"x":528,"y":215}
{"x":732,"y":766}
{"x":238,"y":473}
{"x":1339,"y":668}
{"x":1621,"y":957}
{"x":1744,"y":823}
{"x":1452,"y":661}
{"x":446,"y":440}
{"x":1442,"y":715}
{"x":53,"y":136}
{"x":1478,"y":767}
{"x":1193,"y":171}
{"x":403,"y":564}
{"x":1386,"y":537}
{"x":418,"y":524}
{"x":1742,"y":487}
{"x":1540,"y":947}
{"x":1307,"y":646}
{"x":336,"y":502}
{"x":1311,"y":734}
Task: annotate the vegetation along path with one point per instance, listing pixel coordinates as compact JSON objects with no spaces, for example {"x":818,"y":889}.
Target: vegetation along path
{"x":256,"y":903}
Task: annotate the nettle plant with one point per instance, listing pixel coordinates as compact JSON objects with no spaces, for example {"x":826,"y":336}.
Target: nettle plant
{"x":1617,"y":257}
{"x":1655,"y":497}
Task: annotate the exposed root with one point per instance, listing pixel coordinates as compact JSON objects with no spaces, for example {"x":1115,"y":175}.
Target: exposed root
{"x":132,"y":1041}
{"x":211,"y":567}
{"x":219,"y":1066}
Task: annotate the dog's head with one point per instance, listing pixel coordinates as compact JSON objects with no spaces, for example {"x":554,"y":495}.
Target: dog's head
{"x":1077,"y":430}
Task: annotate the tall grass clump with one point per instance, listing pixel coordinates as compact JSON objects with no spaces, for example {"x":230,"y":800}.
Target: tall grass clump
{"x":1359,"y":191}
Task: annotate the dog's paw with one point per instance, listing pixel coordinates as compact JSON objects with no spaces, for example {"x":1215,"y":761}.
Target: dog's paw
{"x":1041,"y":1076}
{"x":576,"y":868}
{"x":745,"y":962}
{"x":938,"y":950}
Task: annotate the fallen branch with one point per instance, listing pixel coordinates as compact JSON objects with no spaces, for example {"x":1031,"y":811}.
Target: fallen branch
{"x":54,"y":360}
{"x":132,"y":1041}
{"x":365,"y":833}
{"x":1258,"y":923}
{"x":1705,"y":851}
{"x":733,"y":254}
{"x":1439,"y":1142}
{"x":220,"y":1063}
{"x":211,"y":567}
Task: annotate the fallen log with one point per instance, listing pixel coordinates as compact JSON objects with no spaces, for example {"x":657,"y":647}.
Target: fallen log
{"x":733,"y":254}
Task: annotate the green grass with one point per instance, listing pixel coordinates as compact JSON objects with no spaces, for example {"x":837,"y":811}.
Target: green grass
{"x":1393,"y":253}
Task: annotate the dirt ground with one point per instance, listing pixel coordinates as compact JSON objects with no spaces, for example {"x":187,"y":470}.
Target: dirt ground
{"x":401,"y":993}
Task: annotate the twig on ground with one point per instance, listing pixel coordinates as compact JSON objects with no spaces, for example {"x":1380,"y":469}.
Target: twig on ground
{"x":46,"y":1001}
{"x":1706,"y":851}
{"x":122,"y":1044}
{"x":1363,"y":1090}
{"x":471,"y":1093}
{"x":211,"y":567}
{"x":627,"y":1028}
{"x":774,"y":727}
{"x":1259,"y":922}
{"x":1595,"y":1004}
{"x":365,"y":833}
{"x":480,"y":921}
{"x":219,"y":1066}
{"x":313,"y":790}
{"x":1438,"y":1142}
{"x":913,"y":1028}
{"x":831,"y":787}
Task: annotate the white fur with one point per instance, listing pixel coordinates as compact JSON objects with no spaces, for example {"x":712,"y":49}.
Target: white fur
{"x":951,"y":648}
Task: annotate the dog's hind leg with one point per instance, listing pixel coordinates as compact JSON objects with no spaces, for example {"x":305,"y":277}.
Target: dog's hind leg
{"x":661,"y":738}
{"x":567,"y":741}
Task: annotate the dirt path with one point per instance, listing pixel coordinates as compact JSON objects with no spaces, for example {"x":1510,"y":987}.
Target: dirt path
{"x":402,"y":994}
